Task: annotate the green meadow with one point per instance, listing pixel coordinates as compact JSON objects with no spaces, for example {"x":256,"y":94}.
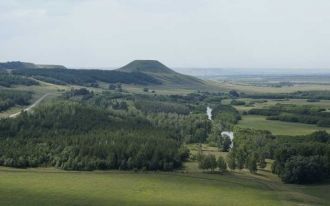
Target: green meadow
{"x":278,"y":127}
{"x":53,"y":187}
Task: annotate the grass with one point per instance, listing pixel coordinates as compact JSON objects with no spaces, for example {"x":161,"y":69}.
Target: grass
{"x":270,"y":102}
{"x":278,"y":127}
{"x":159,"y":90}
{"x":248,"y":88}
{"x":38,"y":91}
{"x":53,"y":187}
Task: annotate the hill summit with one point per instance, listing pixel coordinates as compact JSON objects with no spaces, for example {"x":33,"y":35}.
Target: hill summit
{"x":148,"y":66}
{"x":162,"y":73}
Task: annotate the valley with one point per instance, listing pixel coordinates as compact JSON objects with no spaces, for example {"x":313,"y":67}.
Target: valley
{"x":146,"y":135}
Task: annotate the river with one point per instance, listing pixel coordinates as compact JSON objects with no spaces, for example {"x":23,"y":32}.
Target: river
{"x":209,"y":112}
{"x":230,"y":134}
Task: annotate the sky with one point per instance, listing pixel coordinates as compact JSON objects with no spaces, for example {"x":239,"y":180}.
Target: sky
{"x":264,"y":34}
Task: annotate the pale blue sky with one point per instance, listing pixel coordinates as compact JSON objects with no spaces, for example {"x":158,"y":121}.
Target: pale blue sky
{"x":180,"y":33}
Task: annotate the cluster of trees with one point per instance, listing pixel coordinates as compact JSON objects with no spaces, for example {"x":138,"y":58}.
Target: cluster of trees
{"x":295,"y":113}
{"x":194,"y":128}
{"x":226,"y":116}
{"x":103,"y":149}
{"x":8,"y":80}
{"x":106,"y":100}
{"x":303,"y":162}
{"x":74,"y":136}
{"x":209,"y":162}
{"x":164,"y":112}
{"x":302,"y":159}
{"x":117,"y":87}
{"x":83,"y":92}
{"x":320,"y":95}
{"x":10,"y":98}
{"x":251,"y":148}
{"x":158,"y":107}
{"x":237,"y":102}
{"x":216,"y":139}
{"x":88,"y":77}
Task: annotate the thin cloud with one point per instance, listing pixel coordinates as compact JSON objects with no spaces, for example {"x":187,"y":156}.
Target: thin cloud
{"x":185,"y":33}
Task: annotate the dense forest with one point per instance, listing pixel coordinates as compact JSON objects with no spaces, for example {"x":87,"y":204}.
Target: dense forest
{"x":87,"y":77}
{"x":10,"y":98}
{"x":73,"y":136}
{"x":8,"y":80}
{"x":158,"y":107}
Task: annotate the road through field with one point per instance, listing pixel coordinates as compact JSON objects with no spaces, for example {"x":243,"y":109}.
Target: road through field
{"x":31,"y":106}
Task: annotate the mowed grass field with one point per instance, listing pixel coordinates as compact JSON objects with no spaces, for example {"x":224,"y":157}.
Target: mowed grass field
{"x":53,"y":187}
{"x":278,"y":127}
{"x":248,"y":88}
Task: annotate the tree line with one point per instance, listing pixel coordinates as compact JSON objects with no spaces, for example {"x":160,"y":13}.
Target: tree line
{"x":87,"y":77}
{"x":301,"y":159}
{"x":9,"y":80}
{"x":11,"y":98}
{"x":295,"y":113}
{"x":75,"y":136}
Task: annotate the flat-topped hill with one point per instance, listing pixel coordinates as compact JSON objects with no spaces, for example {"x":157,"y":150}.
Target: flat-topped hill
{"x":161,"y":72}
{"x":152,"y":66}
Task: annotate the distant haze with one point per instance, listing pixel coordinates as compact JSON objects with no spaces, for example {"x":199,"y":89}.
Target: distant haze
{"x":211,"y":72}
{"x":293,"y":35}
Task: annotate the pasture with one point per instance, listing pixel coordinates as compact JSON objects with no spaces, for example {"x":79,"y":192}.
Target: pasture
{"x":53,"y":187}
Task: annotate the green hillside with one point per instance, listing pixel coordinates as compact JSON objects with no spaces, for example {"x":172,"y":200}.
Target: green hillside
{"x":138,"y":72}
{"x":152,"y":66}
{"x":25,"y":65}
{"x":167,"y":76}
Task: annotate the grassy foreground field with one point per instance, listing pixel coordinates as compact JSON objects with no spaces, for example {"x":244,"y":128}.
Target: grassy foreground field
{"x":278,"y":127}
{"x":53,"y":187}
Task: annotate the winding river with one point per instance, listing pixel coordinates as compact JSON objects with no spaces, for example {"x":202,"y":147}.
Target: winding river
{"x":229,"y":134}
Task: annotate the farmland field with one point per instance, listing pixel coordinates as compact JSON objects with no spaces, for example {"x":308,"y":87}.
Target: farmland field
{"x":278,"y":127}
{"x":247,"y":87}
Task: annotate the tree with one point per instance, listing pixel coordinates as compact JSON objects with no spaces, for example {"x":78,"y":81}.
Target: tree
{"x":112,"y":87}
{"x":252,"y":163}
{"x":119,"y":87}
{"x":231,"y":161}
{"x":213,"y":162}
{"x":215,"y":138}
{"x":208,"y":162}
{"x":233,"y":93}
{"x":240,"y":157}
{"x":299,"y":169}
{"x":222,"y":165}
{"x":262,"y":163}
{"x":145,"y":89}
{"x":226,"y":144}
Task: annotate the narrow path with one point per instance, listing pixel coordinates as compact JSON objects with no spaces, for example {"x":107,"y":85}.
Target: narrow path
{"x":31,"y":106}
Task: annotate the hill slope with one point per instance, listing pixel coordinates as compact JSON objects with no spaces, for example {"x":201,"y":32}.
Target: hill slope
{"x":161,"y":72}
{"x":139,"y":72}
{"x":152,"y":66}
{"x":25,"y":65}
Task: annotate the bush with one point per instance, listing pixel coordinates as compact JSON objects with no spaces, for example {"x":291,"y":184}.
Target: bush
{"x":299,"y":169}
{"x":208,"y":162}
{"x":222,"y":165}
